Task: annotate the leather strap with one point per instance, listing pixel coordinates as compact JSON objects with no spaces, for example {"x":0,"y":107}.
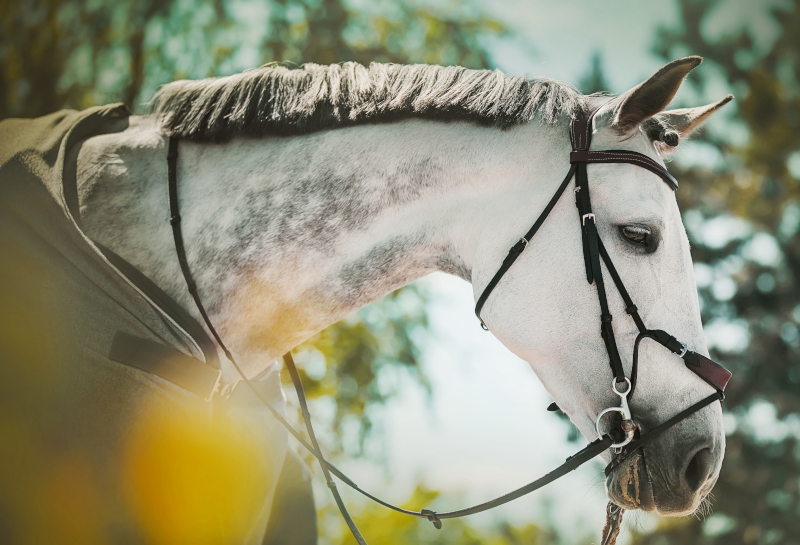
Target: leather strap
{"x":573,"y":462}
{"x":580,"y":129}
{"x":317,"y":452}
{"x":708,"y":370}
{"x":581,"y":138}
{"x":594,"y":272}
{"x":520,"y":246}
{"x":584,"y":455}
{"x":175,"y":220}
{"x":630,"y":308}
{"x":624,"y":156}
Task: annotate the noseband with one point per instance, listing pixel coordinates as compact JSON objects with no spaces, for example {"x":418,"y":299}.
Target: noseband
{"x":626,"y":440}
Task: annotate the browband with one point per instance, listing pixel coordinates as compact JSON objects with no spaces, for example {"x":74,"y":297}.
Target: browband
{"x":580,"y":134}
{"x":624,"y":156}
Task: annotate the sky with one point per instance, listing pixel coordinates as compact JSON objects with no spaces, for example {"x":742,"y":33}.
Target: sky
{"x":563,"y":35}
{"x":487,"y":430}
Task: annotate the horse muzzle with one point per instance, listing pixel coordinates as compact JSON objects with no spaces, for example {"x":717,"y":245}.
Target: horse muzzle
{"x":665,"y":480}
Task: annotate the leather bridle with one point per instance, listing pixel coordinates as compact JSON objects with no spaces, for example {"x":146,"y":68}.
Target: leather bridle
{"x":593,"y":253}
{"x":627,"y":439}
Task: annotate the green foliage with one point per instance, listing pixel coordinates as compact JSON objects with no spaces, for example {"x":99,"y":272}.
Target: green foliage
{"x":328,"y":31}
{"x":594,"y":81}
{"x":68,"y":53}
{"x":749,"y":281}
{"x":355,"y":363}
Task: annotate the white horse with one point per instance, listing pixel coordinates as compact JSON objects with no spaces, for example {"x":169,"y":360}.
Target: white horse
{"x":308,"y":193}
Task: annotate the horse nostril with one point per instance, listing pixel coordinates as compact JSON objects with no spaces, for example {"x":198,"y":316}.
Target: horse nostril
{"x":698,"y":468}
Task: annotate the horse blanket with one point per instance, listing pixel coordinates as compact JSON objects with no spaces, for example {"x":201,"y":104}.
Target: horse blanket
{"x":94,"y":449}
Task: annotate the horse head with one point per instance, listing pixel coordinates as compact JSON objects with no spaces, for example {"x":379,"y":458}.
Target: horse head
{"x":546,"y":312}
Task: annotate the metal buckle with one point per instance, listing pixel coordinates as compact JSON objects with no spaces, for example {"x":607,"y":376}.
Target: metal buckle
{"x":624,"y":410}
{"x":684,"y":351}
{"x":215,"y":388}
{"x":583,"y":218}
{"x":223,"y":390}
{"x":227,"y":390}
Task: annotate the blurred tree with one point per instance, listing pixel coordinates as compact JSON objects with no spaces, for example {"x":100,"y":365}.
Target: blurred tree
{"x":594,"y":81}
{"x":66,"y":53}
{"x":59,"y":53}
{"x":742,"y":215}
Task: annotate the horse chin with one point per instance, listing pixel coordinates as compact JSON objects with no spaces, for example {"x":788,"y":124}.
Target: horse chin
{"x":629,"y":485}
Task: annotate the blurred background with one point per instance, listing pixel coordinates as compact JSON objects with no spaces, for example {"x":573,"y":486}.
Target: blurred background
{"x":409,"y":395}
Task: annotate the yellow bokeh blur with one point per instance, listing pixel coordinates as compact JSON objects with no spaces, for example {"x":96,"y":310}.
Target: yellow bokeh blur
{"x":192,"y":479}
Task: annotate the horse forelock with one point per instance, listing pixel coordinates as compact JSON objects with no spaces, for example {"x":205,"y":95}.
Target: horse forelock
{"x":276,"y":100}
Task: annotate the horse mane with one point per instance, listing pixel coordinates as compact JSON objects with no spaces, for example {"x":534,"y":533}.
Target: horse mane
{"x":277,"y":100}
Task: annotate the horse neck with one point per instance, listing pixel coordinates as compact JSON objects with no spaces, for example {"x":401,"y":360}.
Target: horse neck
{"x":287,"y":235}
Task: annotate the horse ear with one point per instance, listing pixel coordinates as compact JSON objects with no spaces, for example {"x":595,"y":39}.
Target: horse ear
{"x":666,"y":129}
{"x":648,"y":98}
{"x":686,"y":120}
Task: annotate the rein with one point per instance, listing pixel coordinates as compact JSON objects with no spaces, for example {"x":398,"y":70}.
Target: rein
{"x":594,"y":253}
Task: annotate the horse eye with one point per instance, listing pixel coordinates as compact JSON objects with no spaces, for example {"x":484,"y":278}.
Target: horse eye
{"x":636,"y":234}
